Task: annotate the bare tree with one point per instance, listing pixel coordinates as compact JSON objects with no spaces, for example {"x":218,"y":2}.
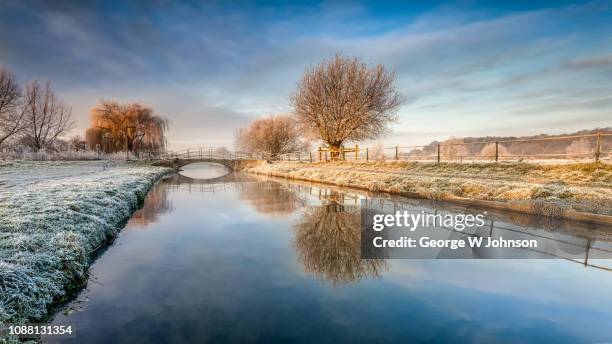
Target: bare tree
{"x":343,"y":99}
{"x":77,"y":143}
{"x":47,"y":116}
{"x":11,"y":114}
{"x":273,"y":135}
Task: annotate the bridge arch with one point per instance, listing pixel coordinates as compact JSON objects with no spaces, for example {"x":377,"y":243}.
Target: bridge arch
{"x":232,"y":164}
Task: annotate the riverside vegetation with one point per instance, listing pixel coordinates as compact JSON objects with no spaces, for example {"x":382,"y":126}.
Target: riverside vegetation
{"x":55,"y":215}
{"x":540,"y":189}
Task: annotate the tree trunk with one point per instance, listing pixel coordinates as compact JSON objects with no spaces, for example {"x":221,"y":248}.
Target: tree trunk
{"x":335,"y":150}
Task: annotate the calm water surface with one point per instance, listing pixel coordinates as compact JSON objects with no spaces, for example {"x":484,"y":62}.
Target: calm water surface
{"x":242,"y":258}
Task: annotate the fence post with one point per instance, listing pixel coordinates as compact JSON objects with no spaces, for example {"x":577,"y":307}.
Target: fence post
{"x":325,"y":156}
{"x":356,"y":152}
{"x":438,"y":152}
{"x":310,"y":156}
{"x":367,"y":153}
{"x":496,"y":151}
{"x":320,"y":154}
{"x":396,"y":153}
{"x":598,"y":147}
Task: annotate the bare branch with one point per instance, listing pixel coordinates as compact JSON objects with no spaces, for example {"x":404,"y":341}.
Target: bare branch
{"x":11,"y":117}
{"x":343,"y":99}
{"x":273,"y":135}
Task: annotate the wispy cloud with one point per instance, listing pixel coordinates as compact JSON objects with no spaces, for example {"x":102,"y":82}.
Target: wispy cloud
{"x":212,"y":67}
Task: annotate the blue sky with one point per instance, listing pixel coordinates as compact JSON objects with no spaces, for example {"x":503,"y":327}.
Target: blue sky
{"x":467,"y":68}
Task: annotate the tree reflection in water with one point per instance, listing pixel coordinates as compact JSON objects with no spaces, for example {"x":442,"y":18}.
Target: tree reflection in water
{"x":328,"y":244}
{"x":272,"y":199}
{"x":155,"y":204}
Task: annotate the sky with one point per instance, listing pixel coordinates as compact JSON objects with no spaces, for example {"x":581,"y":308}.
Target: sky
{"x":466,"y":68}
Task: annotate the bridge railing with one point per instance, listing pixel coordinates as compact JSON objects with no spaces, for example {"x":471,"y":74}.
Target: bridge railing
{"x":212,"y":153}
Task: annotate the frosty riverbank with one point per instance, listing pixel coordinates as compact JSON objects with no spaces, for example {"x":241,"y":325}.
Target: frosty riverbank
{"x":53,"y":216}
{"x":564,"y":190}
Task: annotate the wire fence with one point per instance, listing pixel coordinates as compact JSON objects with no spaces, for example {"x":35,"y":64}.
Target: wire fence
{"x":591,"y":147}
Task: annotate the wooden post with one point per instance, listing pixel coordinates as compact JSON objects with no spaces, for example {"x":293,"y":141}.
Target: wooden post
{"x":343,"y":153}
{"x":598,"y":147}
{"x":496,"y":151}
{"x":367,"y":153}
{"x":438,"y":152}
{"x":320,"y":154}
{"x":356,"y":152}
{"x":325,"y":156}
{"x":310,"y":156}
{"x":396,"y":153}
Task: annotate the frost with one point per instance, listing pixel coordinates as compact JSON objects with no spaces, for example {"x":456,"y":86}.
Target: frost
{"x":545,"y":189}
{"x":54,"y":215}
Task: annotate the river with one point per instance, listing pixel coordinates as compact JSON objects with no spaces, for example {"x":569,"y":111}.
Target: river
{"x":241,"y":258}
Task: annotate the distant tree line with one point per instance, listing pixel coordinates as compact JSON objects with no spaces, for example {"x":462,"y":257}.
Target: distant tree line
{"x":455,"y":148}
{"x":34,"y":117}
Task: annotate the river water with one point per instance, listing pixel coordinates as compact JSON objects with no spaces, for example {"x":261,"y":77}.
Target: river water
{"x":241,"y":258}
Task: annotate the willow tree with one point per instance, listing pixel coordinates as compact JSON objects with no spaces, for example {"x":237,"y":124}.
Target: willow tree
{"x":343,"y":99}
{"x":131,"y":127}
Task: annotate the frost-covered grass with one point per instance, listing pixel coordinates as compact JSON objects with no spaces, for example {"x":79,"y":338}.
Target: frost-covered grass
{"x":67,"y":155}
{"x":542,"y":189}
{"x":53,"y":216}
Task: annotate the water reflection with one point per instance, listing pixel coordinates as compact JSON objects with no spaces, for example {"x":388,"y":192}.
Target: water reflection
{"x":270,"y":199}
{"x":218,"y":264}
{"x":204,"y":170}
{"x":155,"y":204}
{"x":327,"y":241}
{"x":327,"y":234}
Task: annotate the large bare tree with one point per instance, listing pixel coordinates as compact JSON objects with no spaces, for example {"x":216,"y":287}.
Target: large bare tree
{"x":12,"y":119}
{"x":47,"y":116}
{"x":343,"y":99}
{"x":272,"y":135}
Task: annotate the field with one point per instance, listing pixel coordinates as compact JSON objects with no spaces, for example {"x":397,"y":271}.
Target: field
{"x":542,"y":189}
{"x":53,"y":217}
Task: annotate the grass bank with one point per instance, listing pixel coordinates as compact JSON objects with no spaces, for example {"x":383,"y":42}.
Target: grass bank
{"x":579,"y":191}
{"x":53,"y":217}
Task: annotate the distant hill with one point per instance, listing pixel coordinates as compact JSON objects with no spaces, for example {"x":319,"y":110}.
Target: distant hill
{"x":542,"y":145}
